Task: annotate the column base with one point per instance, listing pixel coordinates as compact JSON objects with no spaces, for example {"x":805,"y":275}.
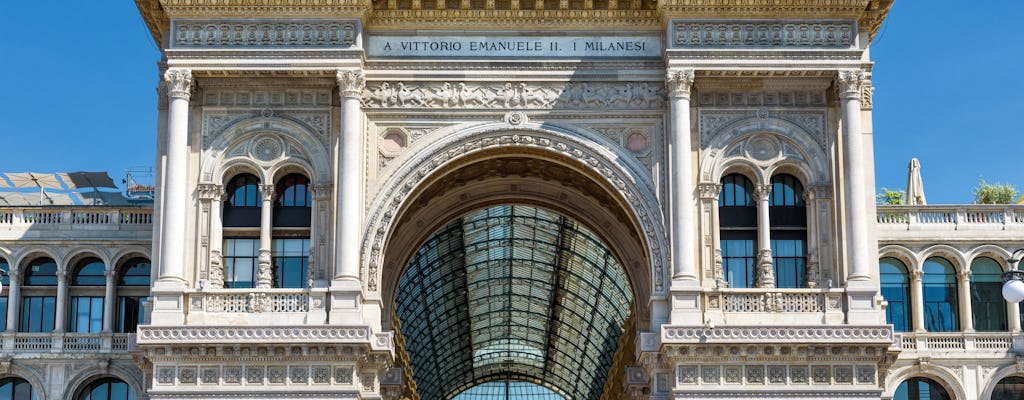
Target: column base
{"x":685,"y":302}
{"x":167,"y":301}
{"x":863,"y":303}
{"x":346,"y":297}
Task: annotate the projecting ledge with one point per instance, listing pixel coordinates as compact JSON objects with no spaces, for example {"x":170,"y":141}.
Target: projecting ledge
{"x":844,"y":334}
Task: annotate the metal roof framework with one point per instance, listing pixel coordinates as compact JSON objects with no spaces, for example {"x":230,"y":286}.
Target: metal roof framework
{"x":512,"y":293}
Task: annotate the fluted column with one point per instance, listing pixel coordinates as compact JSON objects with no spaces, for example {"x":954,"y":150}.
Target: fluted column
{"x":858,"y":261}
{"x":964,"y":296}
{"x":13,"y":298}
{"x":350,"y":174}
{"x":917,"y":300}
{"x":108,"y":300}
{"x":61,"y":314}
{"x":680,"y":83}
{"x":264,"y":274}
{"x":175,"y":196}
{"x":765,"y":270}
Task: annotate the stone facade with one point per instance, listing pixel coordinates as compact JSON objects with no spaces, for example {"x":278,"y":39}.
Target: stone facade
{"x":403,"y":115}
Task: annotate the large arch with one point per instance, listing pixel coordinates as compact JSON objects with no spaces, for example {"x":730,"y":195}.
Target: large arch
{"x":940,"y":374}
{"x":571,"y":173}
{"x":292,"y":142}
{"x":792,"y":148}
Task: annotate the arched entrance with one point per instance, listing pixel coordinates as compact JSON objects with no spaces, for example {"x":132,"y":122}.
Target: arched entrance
{"x":511,"y":267}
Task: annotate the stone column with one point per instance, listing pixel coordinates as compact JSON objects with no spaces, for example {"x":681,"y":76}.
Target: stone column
{"x":213,"y":193}
{"x":813,"y":270}
{"x":13,"y":298}
{"x":712,"y":254}
{"x":108,"y":300}
{"x":350,"y":174}
{"x":765,"y":268}
{"x":858,"y":262}
{"x":682,"y":210}
{"x":964,"y":296}
{"x":264,"y":272}
{"x":61,"y":314}
{"x":319,"y":258}
{"x":917,"y":300}
{"x":175,"y":196}
{"x":1012,"y":308}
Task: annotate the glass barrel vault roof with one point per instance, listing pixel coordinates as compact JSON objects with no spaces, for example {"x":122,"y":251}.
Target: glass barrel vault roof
{"x":512,"y":293}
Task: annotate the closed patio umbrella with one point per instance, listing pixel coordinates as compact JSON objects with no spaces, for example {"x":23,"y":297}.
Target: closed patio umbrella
{"x":915,"y":186}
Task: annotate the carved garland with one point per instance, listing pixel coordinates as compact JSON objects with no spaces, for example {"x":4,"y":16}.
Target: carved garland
{"x":573,"y":95}
{"x":413,"y":177}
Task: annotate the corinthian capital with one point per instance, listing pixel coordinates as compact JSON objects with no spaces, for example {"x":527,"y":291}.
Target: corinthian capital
{"x":762,"y":192}
{"x":179,"y":83}
{"x":268,"y":191}
{"x":351,"y":82}
{"x":679,"y":82}
{"x":850,"y":81}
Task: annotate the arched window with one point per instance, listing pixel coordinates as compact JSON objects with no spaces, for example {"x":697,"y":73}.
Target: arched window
{"x":6,"y":284}
{"x":242,"y":207}
{"x":1009,"y":388}
{"x":132,"y":291}
{"x":15,"y":388}
{"x":737,"y":214}
{"x":896,"y":291}
{"x":88,"y":287}
{"x":940,"y":296}
{"x":6,"y":279}
{"x":293,"y":191}
{"x":788,"y":216}
{"x":920,"y":389}
{"x":39,"y":300}
{"x":987,"y":302}
{"x":107,"y":389}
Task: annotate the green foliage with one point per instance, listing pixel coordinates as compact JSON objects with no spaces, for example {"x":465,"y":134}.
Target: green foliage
{"x":994,"y":193}
{"x":891,"y":197}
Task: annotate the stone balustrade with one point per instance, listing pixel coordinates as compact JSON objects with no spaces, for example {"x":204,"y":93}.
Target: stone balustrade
{"x":939,"y":221}
{"x":259,"y":306}
{"x":24,"y":342}
{"x":77,"y":222}
{"x":801,"y":306}
{"x":958,"y":344}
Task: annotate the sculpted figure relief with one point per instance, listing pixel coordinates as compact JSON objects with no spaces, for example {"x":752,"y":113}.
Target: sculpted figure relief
{"x":601,"y":95}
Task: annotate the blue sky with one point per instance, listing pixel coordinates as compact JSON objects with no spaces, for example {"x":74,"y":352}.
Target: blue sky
{"x":79,"y":84}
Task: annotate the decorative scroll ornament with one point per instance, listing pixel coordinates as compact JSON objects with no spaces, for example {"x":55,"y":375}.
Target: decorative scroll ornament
{"x":867,"y":93}
{"x":762,"y":192}
{"x":351,"y":82}
{"x":679,"y":83}
{"x":850,"y":82}
{"x":765,"y":271}
{"x":179,"y":83}
{"x":216,"y":274}
{"x":210,"y":191}
{"x":514,"y":95}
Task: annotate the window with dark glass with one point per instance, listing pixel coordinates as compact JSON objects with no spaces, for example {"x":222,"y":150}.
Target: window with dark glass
{"x":6,"y":274}
{"x":89,"y":272}
{"x":940,"y":296}
{"x":41,"y":272}
{"x":14,"y":388}
{"x":291,"y":260}
{"x":133,"y":289}
{"x":920,"y":389}
{"x":987,"y":302}
{"x":242,"y":207}
{"x":135,"y":272}
{"x":896,"y":291}
{"x":86,"y":314}
{"x":1009,"y":388}
{"x":240,"y":262}
{"x":3,"y":312}
{"x":738,"y":223}
{"x":292,"y":207}
{"x":788,"y":215}
{"x":38,"y":313}
{"x":107,"y":389}
{"x":129,"y":313}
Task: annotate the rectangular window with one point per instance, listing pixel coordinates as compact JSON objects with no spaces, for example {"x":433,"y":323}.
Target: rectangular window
{"x":129,"y":313}
{"x":240,"y":262}
{"x":38,"y":314}
{"x":739,"y":262}
{"x":940,"y":302}
{"x":86,"y":315}
{"x":790,"y":259}
{"x":291,"y":260}
{"x":3,"y":313}
{"x":988,"y":306}
{"x":896,"y":313}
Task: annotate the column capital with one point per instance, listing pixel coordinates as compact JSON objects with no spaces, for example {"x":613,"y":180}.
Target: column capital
{"x":709,"y":191}
{"x":267,"y":192}
{"x":850,"y":82}
{"x":179,"y":83}
{"x":110,"y":274}
{"x":321,"y":191}
{"x":679,"y":83}
{"x":762,"y":192}
{"x":210,"y":191}
{"x":13,"y":274}
{"x":351,"y":82}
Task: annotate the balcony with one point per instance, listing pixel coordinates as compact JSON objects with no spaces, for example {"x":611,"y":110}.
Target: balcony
{"x":965,"y":222}
{"x":758,"y":306}
{"x":76,"y":223}
{"x":958,"y":344}
{"x":265,"y":307}
{"x":21,"y":343}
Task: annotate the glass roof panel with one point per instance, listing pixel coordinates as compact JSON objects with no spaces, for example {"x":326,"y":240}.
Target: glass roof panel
{"x":512,"y":300}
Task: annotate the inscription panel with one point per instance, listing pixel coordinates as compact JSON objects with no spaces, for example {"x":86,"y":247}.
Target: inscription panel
{"x":514,"y":46}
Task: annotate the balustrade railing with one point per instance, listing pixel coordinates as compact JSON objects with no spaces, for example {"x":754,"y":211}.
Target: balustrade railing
{"x":774,"y":300}
{"x":951,"y":216}
{"x":257,"y":301}
{"x":75,"y":216}
{"x":23,"y":342}
{"x":956,"y":342}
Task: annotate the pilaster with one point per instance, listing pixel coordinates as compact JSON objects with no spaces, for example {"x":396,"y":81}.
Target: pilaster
{"x":685,"y":288}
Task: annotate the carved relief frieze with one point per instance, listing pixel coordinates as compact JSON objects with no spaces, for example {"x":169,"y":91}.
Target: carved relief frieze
{"x":839,"y":34}
{"x":510,"y":95}
{"x":304,"y":33}
{"x":267,"y":98}
{"x":762,"y":98}
{"x":711,"y":122}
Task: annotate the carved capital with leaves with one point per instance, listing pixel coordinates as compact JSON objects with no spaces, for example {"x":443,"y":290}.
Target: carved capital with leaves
{"x":351,"y":82}
{"x":849,"y":82}
{"x":179,"y":83}
{"x":679,"y":83}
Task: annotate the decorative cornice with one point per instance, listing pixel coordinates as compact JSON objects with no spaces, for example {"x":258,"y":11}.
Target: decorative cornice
{"x":764,"y":34}
{"x":179,"y":83}
{"x":740,"y":334}
{"x":213,"y":334}
{"x":351,"y":82}
{"x":522,"y":19}
{"x":679,"y":83}
{"x":227,"y":33}
{"x":869,"y":13}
